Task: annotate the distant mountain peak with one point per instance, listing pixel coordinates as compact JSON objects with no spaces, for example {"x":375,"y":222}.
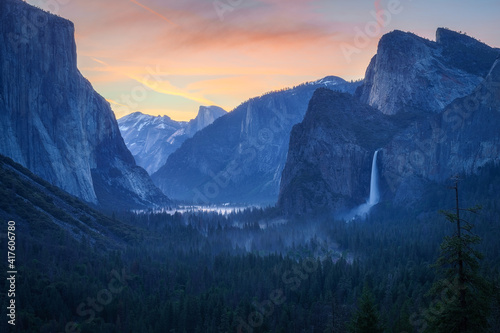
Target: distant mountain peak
{"x":151,"y":139}
{"x":211,"y":108}
{"x":247,"y":147}
{"x":400,"y":36}
{"x":412,"y":74}
{"x":138,"y":115}
{"x":445,"y":36}
{"x":206,"y":116}
{"x":330,"y":81}
{"x":466,"y":53}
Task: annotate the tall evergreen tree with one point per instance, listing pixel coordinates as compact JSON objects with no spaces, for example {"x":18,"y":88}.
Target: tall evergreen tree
{"x":366,"y":319}
{"x":463,"y":295}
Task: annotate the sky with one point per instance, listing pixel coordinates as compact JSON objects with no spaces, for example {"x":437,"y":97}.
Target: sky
{"x":168,"y":57}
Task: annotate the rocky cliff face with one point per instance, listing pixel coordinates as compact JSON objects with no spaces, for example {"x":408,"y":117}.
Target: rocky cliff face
{"x":240,"y":157}
{"x":329,"y":158}
{"x":412,"y":74}
{"x":330,"y":153}
{"x":51,"y":119}
{"x":461,"y":139}
{"x":152,"y":139}
{"x":206,"y":116}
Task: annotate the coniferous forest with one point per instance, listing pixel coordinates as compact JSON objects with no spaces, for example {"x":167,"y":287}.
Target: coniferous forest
{"x":251,"y":271}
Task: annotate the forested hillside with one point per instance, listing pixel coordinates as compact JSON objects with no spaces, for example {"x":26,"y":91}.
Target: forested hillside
{"x":202,"y":273}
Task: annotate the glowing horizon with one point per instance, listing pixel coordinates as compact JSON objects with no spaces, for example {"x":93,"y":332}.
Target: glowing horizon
{"x":165,"y":57}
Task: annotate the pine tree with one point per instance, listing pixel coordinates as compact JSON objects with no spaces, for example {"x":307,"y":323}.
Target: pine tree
{"x":366,"y":319}
{"x":463,"y":295}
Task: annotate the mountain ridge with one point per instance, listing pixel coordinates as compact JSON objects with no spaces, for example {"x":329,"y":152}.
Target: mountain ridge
{"x":240,"y":156}
{"x":152,"y":139}
{"x":430,"y":75}
{"x":41,"y":209}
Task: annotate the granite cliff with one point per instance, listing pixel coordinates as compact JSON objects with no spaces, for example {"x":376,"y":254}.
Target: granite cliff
{"x":51,"y":119}
{"x":330,"y":152}
{"x":412,"y":74}
{"x":461,"y":139}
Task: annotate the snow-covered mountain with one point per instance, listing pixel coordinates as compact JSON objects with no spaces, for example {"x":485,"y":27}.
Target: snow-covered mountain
{"x":152,"y":139}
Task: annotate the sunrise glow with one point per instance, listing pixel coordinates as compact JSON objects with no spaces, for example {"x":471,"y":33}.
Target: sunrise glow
{"x":170,"y":57}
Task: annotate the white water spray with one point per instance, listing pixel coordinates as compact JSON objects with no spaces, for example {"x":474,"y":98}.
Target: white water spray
{"x":374,"y":198}
{"x":374,"y":192}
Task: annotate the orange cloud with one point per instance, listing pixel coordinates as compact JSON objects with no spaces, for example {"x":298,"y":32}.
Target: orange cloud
{"x":260,"y":46}
{"x":155,"y":83}
{"x":165,"y":87}
{"x":115,"y":102}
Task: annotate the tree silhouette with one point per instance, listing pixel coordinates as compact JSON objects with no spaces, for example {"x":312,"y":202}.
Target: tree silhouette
{"x":463,"y":294}
{"x":366,"y":319}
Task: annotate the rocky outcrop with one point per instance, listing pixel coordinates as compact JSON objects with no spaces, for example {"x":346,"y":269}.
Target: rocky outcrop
{"x":330,"y":154}
{"x":442,"y":106}
{"x":328,"y":165}
{"x":206,"y":116}
{"x":152,"y":139}
{"x":461,"y":139}
{"x":240,"y":157}
{"x":51,"y":119}
{"x":412,"y":74}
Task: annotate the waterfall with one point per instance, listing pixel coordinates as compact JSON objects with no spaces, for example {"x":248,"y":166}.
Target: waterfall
{"x":374,"y":193}
{"x":374,"y":198}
